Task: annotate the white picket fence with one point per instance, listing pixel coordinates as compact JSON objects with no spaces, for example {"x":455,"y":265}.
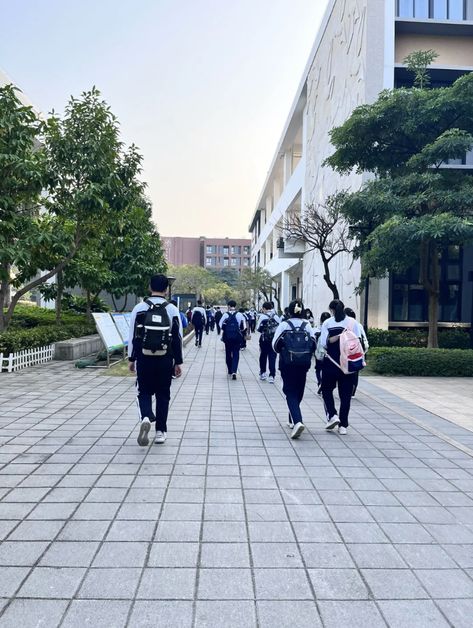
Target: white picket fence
{"x":27,"y":357}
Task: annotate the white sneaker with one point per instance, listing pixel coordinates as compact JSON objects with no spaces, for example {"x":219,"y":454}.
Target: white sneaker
{"x":297,"y":430}
{"x":143,"y":439}
{"x":332,"y":423}
{"x":290,"y":422}
{"x":271,"y":379}
{"x":263,"y":376}
{"x":342,"y":430}
{"x":160,"y":437}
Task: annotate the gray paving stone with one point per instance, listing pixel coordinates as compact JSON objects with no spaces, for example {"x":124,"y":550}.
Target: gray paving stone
{"x":426,"y":556}
{"x":69,"y":554}
{"x":237,"y":614}
{"x":378,"y":556}
{"x":326,"y":555}
{"x":121,"y":554}
{"x":52,"y":582}
{"x":167,"y":583}
{"x":10,"y":580}
{"x":103,"y":613}
{"x":276,"y":555}
{"x":83,"y":530}
{"x":225,"y":584}
{"x":225,"y":555}
{"x":393,"y":584}
{"x":161,"y":614}
{"x":338,"y":584}
{"x":21,"y":553}
{"x":282,"y":584}
{"x":224,"y":531}
{"x":110,"y":584}
{"x":284,"y":614}
{"x":458,"y":612}
{"x":351,"y":614}
{"x":446,"y":583}
{"x":36,"y":531}
{"x":178,"y":531}
{"x":413,"y":614}
{"x":33,"y":613}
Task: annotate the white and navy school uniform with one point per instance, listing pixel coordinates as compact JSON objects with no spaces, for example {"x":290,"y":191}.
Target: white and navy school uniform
{"x":293,"y":377}
{"x":332,"y":375}
{"x":154,"y":374}
{"x":233,"y":346}
{"x":199,"y":320}
{"x":267,"y":353}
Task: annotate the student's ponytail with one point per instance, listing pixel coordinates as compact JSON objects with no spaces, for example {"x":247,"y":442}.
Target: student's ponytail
{"x":338,"y":308}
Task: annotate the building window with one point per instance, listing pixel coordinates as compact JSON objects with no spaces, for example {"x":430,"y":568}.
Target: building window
{"x":208,"y":261}
{"x":436,"y":9}
{"x":236,"y":250}
{"x":210,"y":249}
{"x":234,"y":261}
{"x":246,"y":261}
{"x":226,"y":261}
{"x":246,"y":250}
{"x":225,"y":250}
{"x":409,"y":301}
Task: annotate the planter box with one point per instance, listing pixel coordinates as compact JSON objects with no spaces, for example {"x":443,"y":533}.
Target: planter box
{"x":76,"y":348}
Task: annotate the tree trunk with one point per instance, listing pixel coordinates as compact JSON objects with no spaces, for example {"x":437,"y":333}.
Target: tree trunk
{"x":60,"y":290}
{"x":328,"y":280}
{"x":125,"y":303}
{"x":434,"y":294}
{"x":88,"y":309}
{"x":3,"y":289}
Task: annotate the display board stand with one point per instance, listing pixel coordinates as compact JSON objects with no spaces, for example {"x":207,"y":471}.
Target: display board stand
{"x":110,"y":336}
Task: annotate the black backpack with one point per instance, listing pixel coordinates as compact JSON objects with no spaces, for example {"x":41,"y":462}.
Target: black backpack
{"x":298,"y":346}
{"x":269,"y":329}
{"x":155,"y":332}
{"x":197,"y":319}
{"x":231,"y":329}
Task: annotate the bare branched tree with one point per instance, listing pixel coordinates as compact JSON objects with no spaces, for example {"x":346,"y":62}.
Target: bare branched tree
{"x":322,"y":228}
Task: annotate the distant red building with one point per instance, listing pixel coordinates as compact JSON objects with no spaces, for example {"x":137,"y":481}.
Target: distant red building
{"x":210,"y":253}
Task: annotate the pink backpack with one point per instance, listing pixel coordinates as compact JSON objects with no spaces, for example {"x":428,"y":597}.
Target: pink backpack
{"x":352,"y":356}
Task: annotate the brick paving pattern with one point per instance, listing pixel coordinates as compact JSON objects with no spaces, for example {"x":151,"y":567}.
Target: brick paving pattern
{"x":230,"y":523}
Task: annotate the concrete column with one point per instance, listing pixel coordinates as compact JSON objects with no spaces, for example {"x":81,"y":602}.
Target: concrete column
{"x":285,"y":289}
{"x":276,"y":190}
{"x":287,"y":166}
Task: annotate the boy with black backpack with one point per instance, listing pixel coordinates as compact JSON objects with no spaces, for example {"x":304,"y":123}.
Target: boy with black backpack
{"x":199,"y":320}
{"x":294,"y":341}
{"x":155,"y":354}
{"x":267,"y":325}
{"x":233,"y":326}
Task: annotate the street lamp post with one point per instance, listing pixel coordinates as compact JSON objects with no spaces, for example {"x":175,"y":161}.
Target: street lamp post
{"x":171,"y":280}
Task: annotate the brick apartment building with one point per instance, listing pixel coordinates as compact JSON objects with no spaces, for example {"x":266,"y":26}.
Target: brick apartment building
{"x":211,"y":253}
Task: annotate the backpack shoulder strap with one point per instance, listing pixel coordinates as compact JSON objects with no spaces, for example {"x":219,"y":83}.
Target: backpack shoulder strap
{"x":303,"y":326}
{"x":291,"y":325}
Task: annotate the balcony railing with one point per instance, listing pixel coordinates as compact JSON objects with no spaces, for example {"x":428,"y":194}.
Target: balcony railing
{"x":455,"y":10}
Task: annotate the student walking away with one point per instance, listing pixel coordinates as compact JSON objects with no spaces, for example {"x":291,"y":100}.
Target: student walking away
{"x":364,"y":343}
{"x":252,"y":319}
{"x":294,"y":341}
{"x":233,"y":326}
{"x":319,"y":352}
{"x":155,"y":354}
{"x":184,"y":320}
{"x":267,"y":325}
{"x":199,"y":320}
{"x":218,"y":318}
{"x":340,"y":337}
{"x":208,"y":319}
{"x":246,"y":335}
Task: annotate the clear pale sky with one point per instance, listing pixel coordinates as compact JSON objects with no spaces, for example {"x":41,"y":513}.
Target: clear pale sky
{"x":203,"y":87}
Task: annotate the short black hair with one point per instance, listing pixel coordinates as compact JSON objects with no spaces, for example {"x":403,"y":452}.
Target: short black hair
{"x":231,"y":303}
{"x":349,"y":312}
{"x":296,"y":309}
{"x":268,"y":305}
{"x":199,"y":302}
{"x":159,"y":283}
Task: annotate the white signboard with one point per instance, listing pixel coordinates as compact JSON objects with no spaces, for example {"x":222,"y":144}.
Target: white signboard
{"x":122,"y":325}
{"x":107,"y":331}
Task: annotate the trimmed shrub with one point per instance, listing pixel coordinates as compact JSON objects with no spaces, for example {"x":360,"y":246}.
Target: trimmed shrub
{"x":28,"y":316}
{"x":452,"y":338}
{"x":40,"y":336}
{"x":421,"y":362}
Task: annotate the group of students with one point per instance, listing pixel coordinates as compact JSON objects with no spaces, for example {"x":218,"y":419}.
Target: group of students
{"x":339,"y":345}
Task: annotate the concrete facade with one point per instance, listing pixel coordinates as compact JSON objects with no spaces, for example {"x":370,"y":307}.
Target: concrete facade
{"x":358,"y":52}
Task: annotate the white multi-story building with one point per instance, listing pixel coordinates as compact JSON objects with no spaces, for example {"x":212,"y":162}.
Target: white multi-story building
{"x":359,"y":51}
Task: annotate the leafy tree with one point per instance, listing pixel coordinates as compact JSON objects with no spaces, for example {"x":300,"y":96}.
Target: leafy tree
{"x":21,"y":179}
{"x":416,"y":207}
{"x":219,"y":293}
{"x":225,"y":275}
{"x":257,"y":283}
{"x":323,"y":229}
{"x":191,"y":279}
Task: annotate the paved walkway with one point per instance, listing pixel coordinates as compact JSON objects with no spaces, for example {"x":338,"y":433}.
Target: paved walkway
{"x":230,"y":523}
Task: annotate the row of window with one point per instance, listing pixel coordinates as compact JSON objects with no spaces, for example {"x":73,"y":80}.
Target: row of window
{"x":227,"y":250}
{"x":227,"y":261}
{"x":409,"y":301}
{"x":436,"y":9}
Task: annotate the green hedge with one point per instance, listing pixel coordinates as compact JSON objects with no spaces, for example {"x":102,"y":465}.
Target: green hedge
{"x":453,"y":338}
{"x":28,"y":316}
{"x":40,"y":336}
{"x":421,"y":362}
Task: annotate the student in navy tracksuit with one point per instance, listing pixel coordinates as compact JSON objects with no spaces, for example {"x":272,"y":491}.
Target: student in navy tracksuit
{"x":199,"y":320}
{"x":333,"y":376}
{"x":232,"y":336}
{"x":154,"y":374}
{"x":267,"y":353}
{"x":293,"y":376}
